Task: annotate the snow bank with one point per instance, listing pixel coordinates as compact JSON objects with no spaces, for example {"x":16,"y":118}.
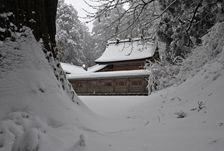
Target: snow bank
{"x":37,"y":114}
{"x":35,"y":111}
{"x":187,"y":116}
{"x":184,"y":117}
{"x":166,"y":75}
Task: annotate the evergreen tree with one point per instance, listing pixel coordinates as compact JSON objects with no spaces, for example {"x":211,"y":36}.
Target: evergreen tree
{"x":69,"y":34}
{"x":178,"y":23}
{"x":107,"y":27}
{"x":185,"y":22}
{"x":73,"y":38}
{"x":39,"y":15}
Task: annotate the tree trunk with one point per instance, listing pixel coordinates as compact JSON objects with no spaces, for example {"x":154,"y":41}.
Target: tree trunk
{"x":39,"y":15}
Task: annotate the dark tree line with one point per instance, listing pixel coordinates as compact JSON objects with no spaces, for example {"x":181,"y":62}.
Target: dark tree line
{"x":39,"y":15}
{"x":185,"y":22}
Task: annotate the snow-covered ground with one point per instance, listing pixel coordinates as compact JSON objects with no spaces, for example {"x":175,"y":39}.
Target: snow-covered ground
{"x":36,"y":114}
{"x":186,"y":117}
{"x":112,"y":106}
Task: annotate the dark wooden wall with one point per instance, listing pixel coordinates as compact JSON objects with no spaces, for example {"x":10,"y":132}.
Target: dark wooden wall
{"x":130,"y":65}
{"x":114,"y":86}
{"x":111,"y":86}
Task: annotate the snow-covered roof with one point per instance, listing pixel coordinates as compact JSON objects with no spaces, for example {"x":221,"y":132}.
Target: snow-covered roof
{"x":108,"y":74}
{"x":73,"y":69}
{"x":96,"y":67}
{"x":125,"y":50}
{"x":69,"y":68}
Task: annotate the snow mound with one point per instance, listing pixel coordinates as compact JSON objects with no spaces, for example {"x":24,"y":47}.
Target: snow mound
{"x":166,"y":75}
{"x":188,"y":116}
{"x":213,"y":44}
{"x":36,"y":113}
{"x":184,"y":117}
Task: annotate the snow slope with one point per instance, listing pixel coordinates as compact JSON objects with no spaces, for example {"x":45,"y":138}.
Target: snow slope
{"x":188,"y":117}
{"x":35,"y":112}
{"x":37,"y":115}
{"x":112,"y":106}
{"x":200,"y":100}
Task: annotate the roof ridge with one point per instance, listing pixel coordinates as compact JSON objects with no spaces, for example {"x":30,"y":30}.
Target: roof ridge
{"x":129,"y":40}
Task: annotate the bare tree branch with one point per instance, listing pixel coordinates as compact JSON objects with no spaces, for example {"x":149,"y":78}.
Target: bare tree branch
{"x":195,"y":11}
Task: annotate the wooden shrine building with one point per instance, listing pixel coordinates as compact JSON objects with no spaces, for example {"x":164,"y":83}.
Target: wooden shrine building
{"x":119,"y":71}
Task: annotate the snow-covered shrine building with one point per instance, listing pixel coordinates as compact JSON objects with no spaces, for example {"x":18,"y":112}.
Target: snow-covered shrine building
{"x":119,"y":71}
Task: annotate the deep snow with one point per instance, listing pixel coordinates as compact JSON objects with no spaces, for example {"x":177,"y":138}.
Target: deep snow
{"x":112,"y":106}
{"x":36,"y":114}
{"x":155,"y":122}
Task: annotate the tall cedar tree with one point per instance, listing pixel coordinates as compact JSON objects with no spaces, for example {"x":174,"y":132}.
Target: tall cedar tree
{"x":39,"y":15}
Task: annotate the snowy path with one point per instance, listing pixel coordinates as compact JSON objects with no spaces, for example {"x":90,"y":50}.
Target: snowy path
{"x":112,"y":106}
{"x":150,"y":124}
{"x":188,"y":117}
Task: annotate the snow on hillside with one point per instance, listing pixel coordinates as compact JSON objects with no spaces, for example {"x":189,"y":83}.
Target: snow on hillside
{"x":183,"y":117}
{"x":188,"y":117}
{"x":166,"y":75}
{"x":35,"y":112}
{"x":37,"y":115}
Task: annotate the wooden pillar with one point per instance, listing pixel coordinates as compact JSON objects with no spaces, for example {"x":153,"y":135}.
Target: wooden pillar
{"x":128,"y":85}
{"x":113,"y":84}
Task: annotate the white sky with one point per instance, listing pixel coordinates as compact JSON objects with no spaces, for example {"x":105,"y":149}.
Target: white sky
{"x":79,"y":5}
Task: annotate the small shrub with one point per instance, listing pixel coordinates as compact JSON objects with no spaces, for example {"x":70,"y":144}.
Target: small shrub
{"x":201,"y":105}
{"x":41,"y":90}
{"x":180,"y":114}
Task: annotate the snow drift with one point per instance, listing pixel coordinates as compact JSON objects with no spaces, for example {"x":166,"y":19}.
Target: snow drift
{"x":39,"y":113}
{"x":35,"y":111}
{"x":187,"y":116}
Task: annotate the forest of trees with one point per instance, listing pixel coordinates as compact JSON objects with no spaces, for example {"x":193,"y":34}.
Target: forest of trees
{"x":39,"y":15}
{"x":73,"y":37}
{"x":178,"y":24}
{"x":78,"y":45}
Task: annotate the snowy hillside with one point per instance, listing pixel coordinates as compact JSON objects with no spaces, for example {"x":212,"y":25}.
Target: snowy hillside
{"x":183,"y":117}
{"x":188,"y":117}
{"x":35,"y":112}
